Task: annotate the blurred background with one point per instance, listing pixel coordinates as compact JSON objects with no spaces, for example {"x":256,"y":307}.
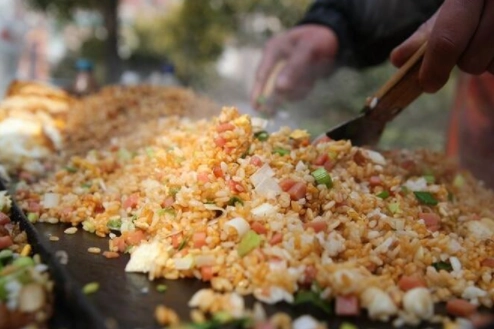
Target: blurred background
{"x":212,"y":47}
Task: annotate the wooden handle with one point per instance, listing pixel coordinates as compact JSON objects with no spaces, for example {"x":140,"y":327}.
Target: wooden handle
{"x":271,"y":81}
{"x":399,"y":91}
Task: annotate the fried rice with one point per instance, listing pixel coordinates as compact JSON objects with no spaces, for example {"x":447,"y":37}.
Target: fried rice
{"x":391,"y":233}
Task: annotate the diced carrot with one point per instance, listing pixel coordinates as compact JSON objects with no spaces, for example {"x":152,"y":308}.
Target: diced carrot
{"x":317,"y":226}
{"x":431,"y":220}
{"x":488,"y":262}
{"x":135,"y":237}
{"x":256,"y":161}
{"x":220,"y":141}
{"x":375,"y":181}
{"x":409,"y":282}
{"x":287,"y":183}
{"x":203,"y":177}
{"x":207,"y":273}
{"x":297,"y":191}
{"x":5,"y":242}
{"x":110,"y":254}
{"x":131,"y":201}
{"x":276,"y":238}
{"x":199,"y":239}
{"x":321,"y":159}
{"x":226,"y":126}
{"x":218,"y":172}
{"x":4,"y":219}
{"x":258,"y":228}
{"x":347,"y":306}
{"x":460,"y":307}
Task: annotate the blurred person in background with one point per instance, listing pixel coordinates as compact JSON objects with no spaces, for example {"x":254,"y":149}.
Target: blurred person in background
{"x":363,"y":33}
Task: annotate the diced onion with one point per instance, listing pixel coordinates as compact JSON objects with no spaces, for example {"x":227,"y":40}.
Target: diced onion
{"x":455,"y":264}
{"x":263,"y":210}
{"x":51,"y":200}
{"x":258,"y":124}
{"x":376,"y":157}
{"x":239,"y":224}
{"x":305,"y":322}
{"x":185,"y":263}
{"x":209,"y":206}
{"x":205,"y":260}
{"x":261,"y":174}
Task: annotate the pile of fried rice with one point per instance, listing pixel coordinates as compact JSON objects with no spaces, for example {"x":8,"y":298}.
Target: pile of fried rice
{"x":273,"y":215}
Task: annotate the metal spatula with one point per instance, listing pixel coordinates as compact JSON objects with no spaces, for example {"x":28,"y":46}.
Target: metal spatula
{"x":396,"y":94}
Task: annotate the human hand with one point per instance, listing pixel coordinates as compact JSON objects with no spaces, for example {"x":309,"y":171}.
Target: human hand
{"x":308,"y":50}
{"x":460,"y":33}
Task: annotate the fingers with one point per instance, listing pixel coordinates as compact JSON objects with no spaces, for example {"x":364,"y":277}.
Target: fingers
{"x":275,"y":50}
{"x":480,"y":52}
{"x":297,"y":77}
{"x":404,"y":51}
{"x":455,"y":25}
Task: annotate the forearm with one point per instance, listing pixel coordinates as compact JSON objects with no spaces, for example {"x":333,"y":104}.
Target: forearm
{"x":369,"y":29}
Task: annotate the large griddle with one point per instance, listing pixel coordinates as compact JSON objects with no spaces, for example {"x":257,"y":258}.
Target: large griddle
{"x":125,"y":300}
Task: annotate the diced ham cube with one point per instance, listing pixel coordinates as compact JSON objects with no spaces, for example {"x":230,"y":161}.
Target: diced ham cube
{"x":256,"y":161}
{"x":203,"y":177}
{"x":431,"y":220}
{"x":287,"y":184}
{"x":218,"y":172}
{"x":176,"y":240}
{"x":317,"y":226}
{"x":222,"y":127}
{"x":110,"y":254}
{"x":297,"y":191}
{"x":258,"y":228}
{"x":375,"y":181}
{"x":131,"y":201}
{"x":135,"y":237}
{"x":276,"y":238}
{"x":329,"y":165}
{"x":168,"y":202}
{"x":321,"y":159}
{"x":207,"y":273}
{"x":199,"y":239}
{"x":460,"y":307}
{"x":410,"y":282}
{"x":310,"y":274}
{"x":347,"y":306}
{"x":220,"y":141}
{"x":488,"y":262}
{"x":33,"y":206}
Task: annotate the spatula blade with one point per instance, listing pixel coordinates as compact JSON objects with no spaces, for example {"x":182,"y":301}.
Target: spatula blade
{"x":361,"y":131}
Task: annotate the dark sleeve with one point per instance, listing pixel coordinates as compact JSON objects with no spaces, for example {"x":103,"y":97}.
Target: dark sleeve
{"x":368,"y":30}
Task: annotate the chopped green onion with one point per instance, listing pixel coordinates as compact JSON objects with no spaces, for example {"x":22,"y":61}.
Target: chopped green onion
{"x":250,"y":241}
{"x":234,"y":200}
{"x":124,"y":155}
{"x":281,"y":151}
{"x":128,"y":249}
{"x":348,"y":325}
{"x":443,"y":266}
{"x":262,"y":135}
{"x":425,"y":198}
{"x":313,"y":298}
{"x":161,"y":288}
{"x":383,"y":195}
{"x":174,"y":191}
{"x":150,"y":152}
{"x":71,"y":169}
{"x":222,"y":316}
{"x":23,"y":262}
{"x":322,"y":177}
{"x":86,"y":185}
{"x":183,"y":243}
{"x":6,"y":254}
{"x":430,"y":179}
{"x":167,"y":210}
{"x":114,"y":224}
{"x":90,"y":288}
{"x":394,"y":207}
{"x":32,"y":217}
{"x":459,"y":181}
